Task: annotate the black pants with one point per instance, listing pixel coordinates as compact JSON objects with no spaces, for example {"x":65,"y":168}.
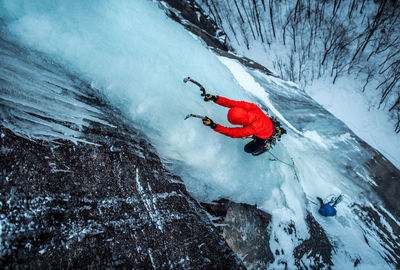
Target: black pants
{"x":256,"y":146}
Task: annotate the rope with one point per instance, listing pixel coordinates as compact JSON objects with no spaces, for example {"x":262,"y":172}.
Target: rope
{"x":334,"y":200}
{"x":311,"y":201}
{"x":293,"y":166}
{"x":275,"y":158}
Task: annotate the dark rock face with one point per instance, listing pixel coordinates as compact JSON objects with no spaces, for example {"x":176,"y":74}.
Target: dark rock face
{"x":387,"y":179}
{"x":372,"y":219}
{"x":106,"y":203}
{"x":317,"y":248}
{"x":244,"y":61}
{"x":82,"y":205}
{"x":245,"y":229}
{"x":191,"y":16}
{"x":247,"y":234}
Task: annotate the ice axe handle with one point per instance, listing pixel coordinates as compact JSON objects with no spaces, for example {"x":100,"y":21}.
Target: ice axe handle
{"x":198,"y":116}
{"x":199,"y":85}
{"x":185,"y":80}
{"x":194,"y":115}
{"x":204,"y":91}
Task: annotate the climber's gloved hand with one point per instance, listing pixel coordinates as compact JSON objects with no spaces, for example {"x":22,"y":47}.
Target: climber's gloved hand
{"x":208,"y":122}
{"x":321,"y":202}
{"x":208,"y":97}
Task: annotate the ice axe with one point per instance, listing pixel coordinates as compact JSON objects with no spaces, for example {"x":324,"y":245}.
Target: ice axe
{"x":194,"y":115}
{"x":188,"y":79}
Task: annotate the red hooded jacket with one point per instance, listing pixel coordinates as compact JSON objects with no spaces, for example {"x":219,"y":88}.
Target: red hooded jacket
{"x":249,"y":115}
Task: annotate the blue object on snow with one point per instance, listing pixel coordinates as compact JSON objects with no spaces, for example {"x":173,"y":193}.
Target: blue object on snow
{"x":327,"y":210}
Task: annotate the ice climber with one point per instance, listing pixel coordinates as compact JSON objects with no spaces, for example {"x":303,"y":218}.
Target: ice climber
{"x":328,"y":209}
{"x":254,"y":123}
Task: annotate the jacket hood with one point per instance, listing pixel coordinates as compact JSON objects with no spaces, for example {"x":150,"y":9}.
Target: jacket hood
{"x":238,"y":116}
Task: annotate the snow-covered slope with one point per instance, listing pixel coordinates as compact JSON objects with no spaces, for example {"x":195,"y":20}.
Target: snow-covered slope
{"x":138,"y":57}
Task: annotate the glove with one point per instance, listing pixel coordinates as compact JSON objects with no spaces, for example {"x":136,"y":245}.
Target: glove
{"x":208,"y":97}
{"x":208,"y":122}
{"x":321,"y":202}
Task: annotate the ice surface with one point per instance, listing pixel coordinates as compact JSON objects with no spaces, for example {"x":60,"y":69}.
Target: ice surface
{"x":138,"y":57}
{"x":371,"y":124}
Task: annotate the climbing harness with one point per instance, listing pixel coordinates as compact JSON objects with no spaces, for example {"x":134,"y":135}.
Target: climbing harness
{"x":277,"y":133}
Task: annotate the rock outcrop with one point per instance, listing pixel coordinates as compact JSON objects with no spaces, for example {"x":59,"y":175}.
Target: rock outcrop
{"x":245,"y":229}
{"x":191,"y":16}
{"x":316,"y":251}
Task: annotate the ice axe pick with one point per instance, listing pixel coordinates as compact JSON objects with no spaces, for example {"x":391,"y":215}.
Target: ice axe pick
{"x":188,"y":79}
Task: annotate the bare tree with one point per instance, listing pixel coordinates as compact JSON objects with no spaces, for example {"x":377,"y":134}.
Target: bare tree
{"x":271,"y":16}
